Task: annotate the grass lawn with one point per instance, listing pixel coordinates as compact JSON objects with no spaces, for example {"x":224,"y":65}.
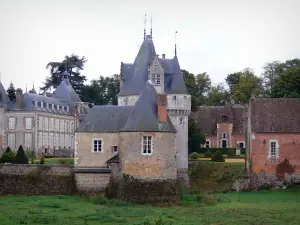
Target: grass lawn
{"x":265,"y":207}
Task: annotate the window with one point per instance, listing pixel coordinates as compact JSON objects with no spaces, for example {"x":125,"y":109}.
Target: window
{"x":51,"y":124}
{"x":67,"y":127}
{"x":62,"y":141}
{"x":207,"y":144}
{"x":147,"y":145}
{"x":224,"y":135}
{"x":51,"y":140}
{"x":28,"y":140}
{"x":72,"y":127}
{"x":40,"y":123}
{"x":174,"y":98}
{"x":12,"y":123}
{"x":62,"y":126}
{"x":57,"y":125}
{"x":11,"y":140}
{"x":72,"y":142}
{"x":46,"y":123}
{"x":181,"y":120}
{"x":40,"y":142}
{"x":241,"y":144}
{"x":184,"y":98}
{"x":97,"y":146}
{"x":28,"y":123}
{"x":224,"y":143}
{"x":46,"y":140}
{"x":273,"y":151}
{"x":56,"y":141}
{"x":155,"y":79}
{"x":224,"y":119}
{"x":67,"y":143}
{"x":115,"y":149}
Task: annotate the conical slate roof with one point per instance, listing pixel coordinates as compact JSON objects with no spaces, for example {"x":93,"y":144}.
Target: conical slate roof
{"x":144,"y":115}
{"x":4,"y":100}
{"x":66,"y":92}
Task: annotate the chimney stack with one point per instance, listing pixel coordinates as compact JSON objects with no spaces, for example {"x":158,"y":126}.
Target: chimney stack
{"x":162,"y":107}
{"x":163,"y":56}
{"x":19,"y":94}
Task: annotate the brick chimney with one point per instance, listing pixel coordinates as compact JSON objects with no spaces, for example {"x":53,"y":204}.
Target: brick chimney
{"x":163,"y":56}
{"x":162,"y":107}
{"x":19,"y":94}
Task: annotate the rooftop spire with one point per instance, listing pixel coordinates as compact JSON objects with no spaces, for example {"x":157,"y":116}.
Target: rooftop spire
{"x":145,"y":21}
{"x":176,"y":43}
{"x":151,"y":27}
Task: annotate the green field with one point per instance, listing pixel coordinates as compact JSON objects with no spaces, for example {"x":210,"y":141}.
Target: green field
{"x":265,"y":207}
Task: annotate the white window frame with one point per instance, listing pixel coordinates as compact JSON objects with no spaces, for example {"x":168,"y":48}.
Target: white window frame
{"x":46,"y":123}
{"x":208,"y":143}
{"x":224,"y":139}
{"x":11,"y":140}
{"x":12,"y":122}
{"x":156,"y":79}
{"x":174,"y":98}
{"x":28,"y":123}
{"x":115,"y":147}
{"x":148,"y":151}
{"x":94,"y":142}
{"x":276,"y":149}
{"x":224,"y":135}
{"x":239,"y":142}
{"x":72,"y":126}
{"x":28,"y":140}
{"x":41,"y":123}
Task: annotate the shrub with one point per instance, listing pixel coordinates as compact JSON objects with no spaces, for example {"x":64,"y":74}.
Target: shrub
{"x":7,"y":149}
{"x":231,"y":153}
{"x":194,"y":155}
{"x":42,"y":161}
{"x":21,"y":157}
{"x":8,"y":157}
{"x":218,"y":157}
{"x":207,"y":154}
{"x":66,"y":161}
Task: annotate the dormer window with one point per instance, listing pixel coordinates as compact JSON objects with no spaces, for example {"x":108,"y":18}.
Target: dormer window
{"x":155,"y":79}
{"x":174,"y":98}
{"x":184,"y":98}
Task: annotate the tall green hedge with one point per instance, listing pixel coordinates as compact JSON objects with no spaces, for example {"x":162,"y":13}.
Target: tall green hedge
{"x":224,"y":151}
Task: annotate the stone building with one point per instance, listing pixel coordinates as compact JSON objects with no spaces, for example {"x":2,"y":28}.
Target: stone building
{"x":273,"y":135}
{"x":166,"y":77}
{"x":223,"y":126}
{"x":140,"y":139}
{"x":44,"y":124}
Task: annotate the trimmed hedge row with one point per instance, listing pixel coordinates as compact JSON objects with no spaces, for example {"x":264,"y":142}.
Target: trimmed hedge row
{"x":224,"y":151}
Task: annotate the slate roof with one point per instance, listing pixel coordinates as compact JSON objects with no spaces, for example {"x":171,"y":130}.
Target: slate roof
{"x":275,"y":115}
{"x":28,"y":104}
{"x":207,"y":117}
{"x":140,"y":117}
{"x":66,"y":92}
{"x":4,"y":100}
{"x":136,"y":75}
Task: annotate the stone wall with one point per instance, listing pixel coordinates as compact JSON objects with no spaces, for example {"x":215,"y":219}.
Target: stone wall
{"x":92,"y":182}
{"x":36,"y":179}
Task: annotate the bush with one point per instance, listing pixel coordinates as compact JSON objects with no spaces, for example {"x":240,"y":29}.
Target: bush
{"x":8,"y":157}
{"x":21,"y":157}
{"x":42,"y":161}
{"x":218,"y":157}
{"x":231,"y":153}
{"x":7,"y":149}
{"x":194,"y":155}
{"x":66,"y":161}
{"x":207,"y":154}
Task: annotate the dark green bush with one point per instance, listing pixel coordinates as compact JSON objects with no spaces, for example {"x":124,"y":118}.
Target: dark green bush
{"x":8,"y":157}
{"x":218,"y":157}
{"x":21,"y":157}
{"x":49,"y":156}
{"x":231,"y":153}
{"x":207,"y":154}
{"x":7,"y":149}
{"x":42,"y":161}
{"x":194,"y":155}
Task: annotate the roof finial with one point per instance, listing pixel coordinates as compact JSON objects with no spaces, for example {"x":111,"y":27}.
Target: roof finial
{"x":145,"y":21}
{"x":151,"y":27}
{"x":176,"y":43}
{"x":33,"y":85}
{"x":26,"y":88}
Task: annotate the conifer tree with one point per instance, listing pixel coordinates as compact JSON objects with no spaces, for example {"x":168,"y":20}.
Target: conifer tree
{"x":21,"y":157}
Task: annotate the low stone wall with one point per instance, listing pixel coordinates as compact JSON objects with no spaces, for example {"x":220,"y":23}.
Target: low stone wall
{"x":64,"y":153}
{"x":36,"y":179}
{"x":144,"y":191}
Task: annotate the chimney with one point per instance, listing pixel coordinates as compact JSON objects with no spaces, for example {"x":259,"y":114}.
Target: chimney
{"x":163,"y":56}
{"x":19,"y":94}
{"x":162,"y":107}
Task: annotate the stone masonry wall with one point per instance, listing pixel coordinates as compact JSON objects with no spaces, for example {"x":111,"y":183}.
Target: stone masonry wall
{"x":289,"y":146}
{"x":36,"y":179}
{"x":92,"y":182}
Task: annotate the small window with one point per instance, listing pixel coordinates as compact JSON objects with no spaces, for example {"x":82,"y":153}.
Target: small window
{"x":224,"y":143}
{"x":181,"y":120}
{"x":241,"y":144}
{"x":184,"y":98}
{"x":97,"y":145}
{"x":115,"y":149}
{"x":224,"y":119}
{"x":273,"y":148}
{"x":147,"y":145}
{"x":174,"y":98}
{"x":207,"y":144}
{"x":28,"y":123}
{"x":224,"y":135}
{"x":12,"y":123}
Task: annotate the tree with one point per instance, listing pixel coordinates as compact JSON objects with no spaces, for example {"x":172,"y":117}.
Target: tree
{"x":74,"y":65}
{"x":195,"y":137}
{"x":270,"y":75}
{"x":243,"y":84}
{"x":217,"y":95}
{"x":21,"y":157}
{"x":102,"y":91}
{"x":11,"y":92}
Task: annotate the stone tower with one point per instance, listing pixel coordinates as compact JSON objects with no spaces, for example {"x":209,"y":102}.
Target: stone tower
{"x":166,"y":77}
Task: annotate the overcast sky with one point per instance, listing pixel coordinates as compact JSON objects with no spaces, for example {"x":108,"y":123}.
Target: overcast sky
{"x":214,"y":36}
